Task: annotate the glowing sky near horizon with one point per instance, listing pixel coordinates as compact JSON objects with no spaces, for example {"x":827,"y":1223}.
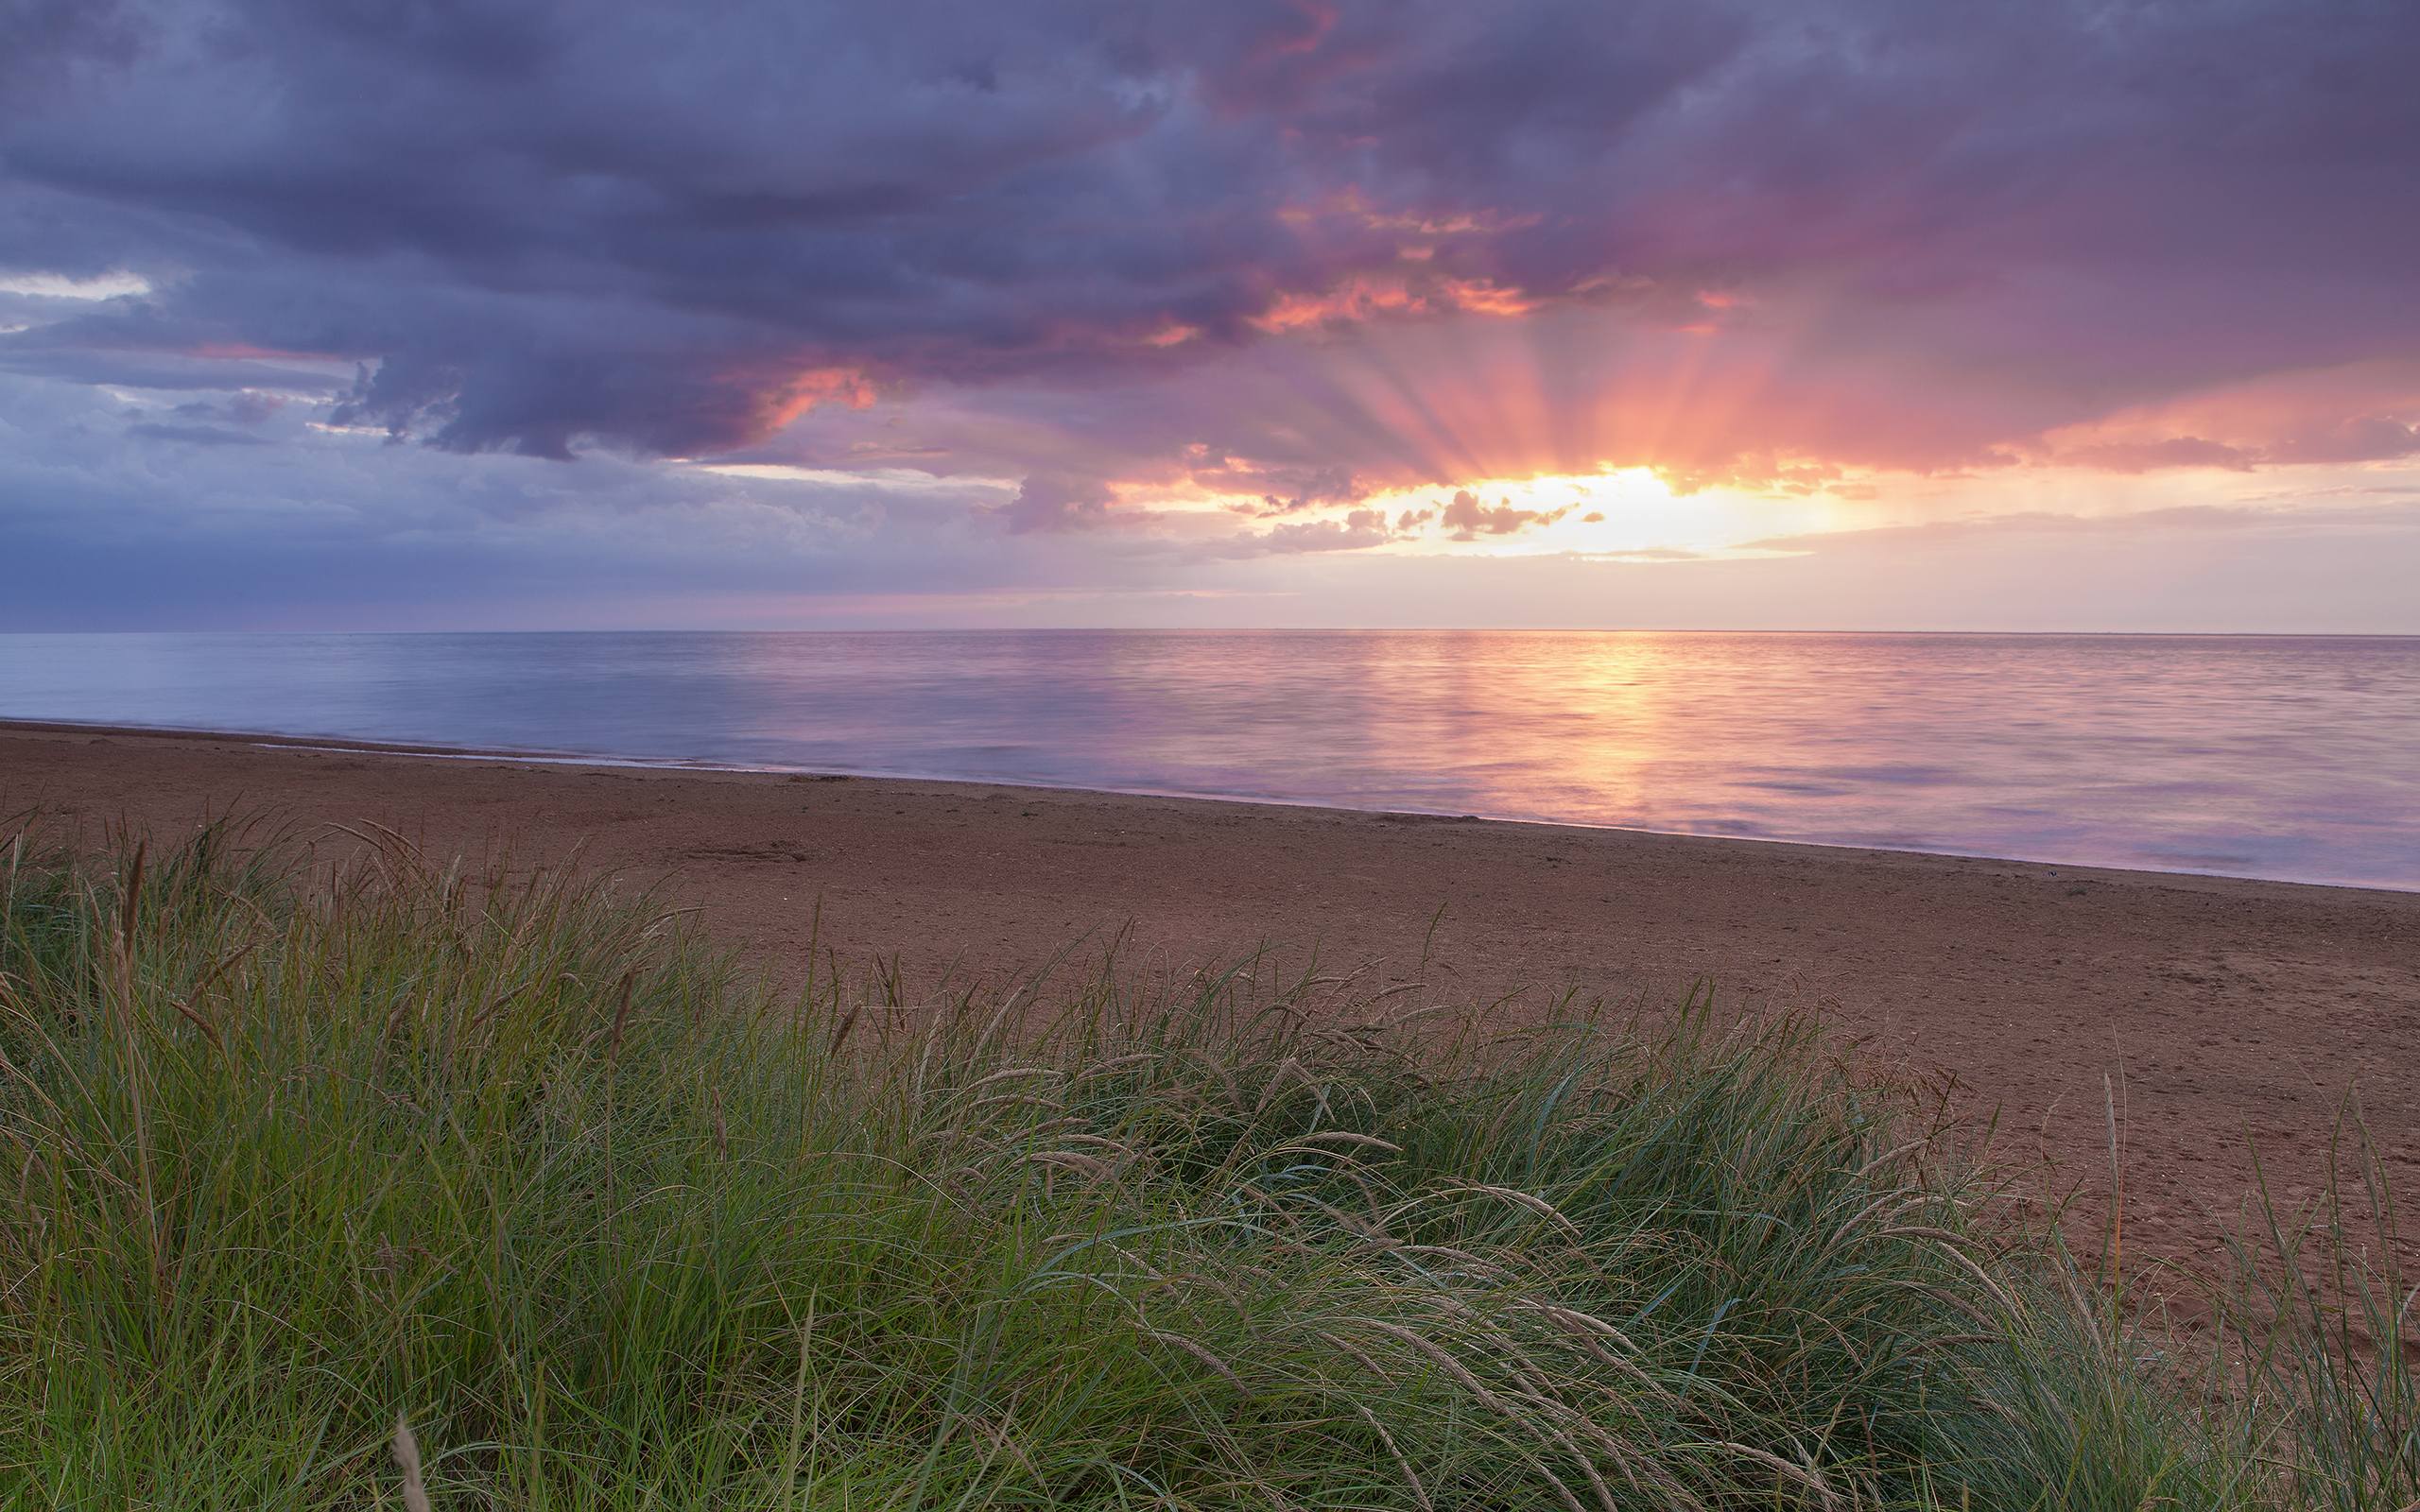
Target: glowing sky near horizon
{"x":1735,"y":313}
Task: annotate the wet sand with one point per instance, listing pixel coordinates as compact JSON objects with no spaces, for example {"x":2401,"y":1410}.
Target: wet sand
{"x":2221,"y":1011}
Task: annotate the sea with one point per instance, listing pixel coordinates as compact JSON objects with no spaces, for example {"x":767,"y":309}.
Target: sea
{"x":2294,"y":758}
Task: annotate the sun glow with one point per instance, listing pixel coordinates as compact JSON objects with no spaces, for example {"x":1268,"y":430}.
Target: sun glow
{"x":1630,"y":513}
{"x":1634,"y":514}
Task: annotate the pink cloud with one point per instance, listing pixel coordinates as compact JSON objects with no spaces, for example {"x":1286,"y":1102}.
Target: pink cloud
{"x":1466,"y":517}
{"x":2352,"y":413}
{"x":2177,"y":450}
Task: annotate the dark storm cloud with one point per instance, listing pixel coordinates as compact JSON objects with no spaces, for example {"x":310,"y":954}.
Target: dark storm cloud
{"x":673,"y":230}
{"x":101,"y":529}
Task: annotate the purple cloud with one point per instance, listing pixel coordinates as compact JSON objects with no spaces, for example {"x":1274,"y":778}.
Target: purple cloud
{"x":1466,"y":519}
{"x":1046,"y":503}
{"x":1169,"y":296}
{"x":539,"y":227}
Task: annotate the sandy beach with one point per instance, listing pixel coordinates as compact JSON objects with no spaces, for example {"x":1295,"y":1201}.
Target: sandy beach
{"x":2223,"y":1013}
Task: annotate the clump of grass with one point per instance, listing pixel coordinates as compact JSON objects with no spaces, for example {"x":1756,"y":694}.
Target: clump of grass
{"x":448,"y":1189}
{"x":2325,"y":1323}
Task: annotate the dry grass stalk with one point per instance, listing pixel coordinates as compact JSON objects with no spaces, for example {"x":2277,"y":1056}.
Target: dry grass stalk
{"x":408,"y":1460}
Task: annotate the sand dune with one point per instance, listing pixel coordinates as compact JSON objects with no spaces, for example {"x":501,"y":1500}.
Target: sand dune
{"x":2216,"y":1009}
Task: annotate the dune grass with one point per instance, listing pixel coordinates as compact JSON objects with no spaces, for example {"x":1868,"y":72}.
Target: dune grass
{"x":395,"y":1185}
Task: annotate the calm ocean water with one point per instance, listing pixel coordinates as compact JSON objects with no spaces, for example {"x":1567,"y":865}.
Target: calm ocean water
{"x":2270,"y":757}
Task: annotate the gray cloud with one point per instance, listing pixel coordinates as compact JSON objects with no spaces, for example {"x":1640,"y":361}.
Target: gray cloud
{"x":194,"y":435}
{"x":1294,"y":255}
{"x":541,"y":225}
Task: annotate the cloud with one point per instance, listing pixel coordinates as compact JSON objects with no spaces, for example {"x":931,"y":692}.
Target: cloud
{"x":331,"y":528}
{"x":64,"y":287}
{"x":2177,"y":450}
{"x":344,"y":529}
{"x":2185,"y":520}
{"x":541,"y":229}
{"x":1359,"y":530}
{"x":1055,"y":503}
{"x":1466,"y":519}
{"x":1133,"y":289}
{"x":2354,"y":412}
{"x":245,"y":406}
{"x":194,"y":435}
{"x":1306,"y":488}
{"x":1650,"y":554}
{"x":2357,"y":438}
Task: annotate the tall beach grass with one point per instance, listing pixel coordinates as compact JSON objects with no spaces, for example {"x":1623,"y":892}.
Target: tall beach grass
{"x":394,"y":1184}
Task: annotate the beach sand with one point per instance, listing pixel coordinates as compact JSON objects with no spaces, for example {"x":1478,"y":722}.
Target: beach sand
{"x":2218,"y":1013}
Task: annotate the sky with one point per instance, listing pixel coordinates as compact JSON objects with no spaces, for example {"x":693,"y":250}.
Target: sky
{"x":1807,"y":314}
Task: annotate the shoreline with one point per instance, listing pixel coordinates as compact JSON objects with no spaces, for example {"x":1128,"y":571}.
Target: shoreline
{"x":2214,"y":1011}
{"x":578,"y":760}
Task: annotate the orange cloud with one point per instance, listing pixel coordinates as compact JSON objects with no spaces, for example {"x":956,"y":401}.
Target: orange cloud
{"x":1367,"y":297}
{"x":786,"y":402}
{"x":1482,"y":295}
{"x":1355,"y":299}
